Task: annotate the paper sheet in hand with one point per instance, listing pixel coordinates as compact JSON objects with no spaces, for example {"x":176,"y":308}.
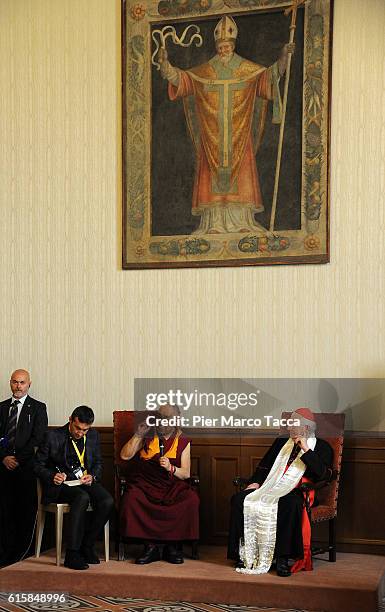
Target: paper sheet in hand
{"x":72,"y":483}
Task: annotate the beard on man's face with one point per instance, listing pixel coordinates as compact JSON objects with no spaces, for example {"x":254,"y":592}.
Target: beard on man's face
{"x":226,"y":58}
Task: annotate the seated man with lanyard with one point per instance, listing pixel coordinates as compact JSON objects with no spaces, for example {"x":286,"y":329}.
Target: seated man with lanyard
{"x":269,"y":517}
{"x":159,"y":507}
{"x":72,"y":452}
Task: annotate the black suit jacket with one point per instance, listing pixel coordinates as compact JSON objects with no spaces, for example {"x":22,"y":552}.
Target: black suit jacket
{"x":55,"y":453}
{"x":31,"y":427}
{"x":318,"y":462}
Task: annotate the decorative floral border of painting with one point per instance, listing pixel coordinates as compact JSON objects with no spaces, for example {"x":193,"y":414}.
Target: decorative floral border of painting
{"x":310,"y":244}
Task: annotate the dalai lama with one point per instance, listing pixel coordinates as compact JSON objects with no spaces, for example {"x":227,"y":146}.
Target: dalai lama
{"x":159,"y":507}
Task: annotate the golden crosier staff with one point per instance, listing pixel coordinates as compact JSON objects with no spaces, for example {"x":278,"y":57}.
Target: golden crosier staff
{"x":293,"y":10}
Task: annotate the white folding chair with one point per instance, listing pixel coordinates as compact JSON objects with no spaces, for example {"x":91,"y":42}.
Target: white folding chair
{"x":59,"y":510}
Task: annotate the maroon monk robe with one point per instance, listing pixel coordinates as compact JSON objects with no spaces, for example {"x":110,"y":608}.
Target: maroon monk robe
{"x":157,"y":506}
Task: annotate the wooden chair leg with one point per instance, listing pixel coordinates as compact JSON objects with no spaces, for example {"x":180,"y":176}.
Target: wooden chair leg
{"x":332,"y":540}
{"x":194,"y":550}
{"x":59,"y":532}
{"x":107,"y":541}
{"x":39,"y":531}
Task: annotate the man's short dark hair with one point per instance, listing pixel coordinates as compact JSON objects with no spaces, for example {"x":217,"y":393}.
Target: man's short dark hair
{"x":84,"y":414}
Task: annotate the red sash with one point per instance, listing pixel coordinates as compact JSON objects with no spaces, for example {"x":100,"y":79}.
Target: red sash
{"x":305,"y":563}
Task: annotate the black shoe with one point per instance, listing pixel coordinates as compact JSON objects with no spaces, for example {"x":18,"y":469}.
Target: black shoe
{"x":150,"y":554}
{"x":283,"y":569}
{"x":172,"y":555}
{"x":89,"y":555}
{"x":74,"y":560}
{"x":239,"y":564}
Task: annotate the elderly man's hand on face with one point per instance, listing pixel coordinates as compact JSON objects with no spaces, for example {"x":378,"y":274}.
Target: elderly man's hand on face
{"x":302,"y":442}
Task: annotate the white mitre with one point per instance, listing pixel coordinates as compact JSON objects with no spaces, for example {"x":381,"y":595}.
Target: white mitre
{"x":226,"y":30}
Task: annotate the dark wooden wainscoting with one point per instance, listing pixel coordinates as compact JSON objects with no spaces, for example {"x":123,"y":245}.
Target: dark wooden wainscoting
{"x":217,"y":460}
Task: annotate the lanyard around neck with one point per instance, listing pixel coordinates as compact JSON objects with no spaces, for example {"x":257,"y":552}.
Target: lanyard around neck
{"x":80,"y":455}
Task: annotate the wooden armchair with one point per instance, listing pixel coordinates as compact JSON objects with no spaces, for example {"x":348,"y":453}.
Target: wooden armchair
{"x":124,"y":427}
{"x":327,"y":495}
{"x":123,"y":421}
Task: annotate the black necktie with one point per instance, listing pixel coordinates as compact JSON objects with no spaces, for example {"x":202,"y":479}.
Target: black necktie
{"x":11,"y":425}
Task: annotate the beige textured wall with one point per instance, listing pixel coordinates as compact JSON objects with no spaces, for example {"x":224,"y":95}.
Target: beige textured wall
{"x":83,"y":326}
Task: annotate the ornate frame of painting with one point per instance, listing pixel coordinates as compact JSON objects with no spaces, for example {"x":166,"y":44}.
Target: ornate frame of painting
{"x":159,"y":164}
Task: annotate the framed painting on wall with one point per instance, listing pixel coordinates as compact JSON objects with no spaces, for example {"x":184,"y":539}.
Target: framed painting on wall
{"x":225,"y":132}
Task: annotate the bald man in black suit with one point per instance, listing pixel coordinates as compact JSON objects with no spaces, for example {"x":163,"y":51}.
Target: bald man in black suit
{"x":23,"y":423}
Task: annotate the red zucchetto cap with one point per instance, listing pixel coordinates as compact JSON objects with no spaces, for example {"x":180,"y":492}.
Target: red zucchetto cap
{"x":305,"y":414}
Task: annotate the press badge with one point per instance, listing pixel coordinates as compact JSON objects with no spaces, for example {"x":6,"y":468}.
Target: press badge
{"x":78,"y":473}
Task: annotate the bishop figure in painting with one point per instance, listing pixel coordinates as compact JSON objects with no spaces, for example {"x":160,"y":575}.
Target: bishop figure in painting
{"x":225,"y":102}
